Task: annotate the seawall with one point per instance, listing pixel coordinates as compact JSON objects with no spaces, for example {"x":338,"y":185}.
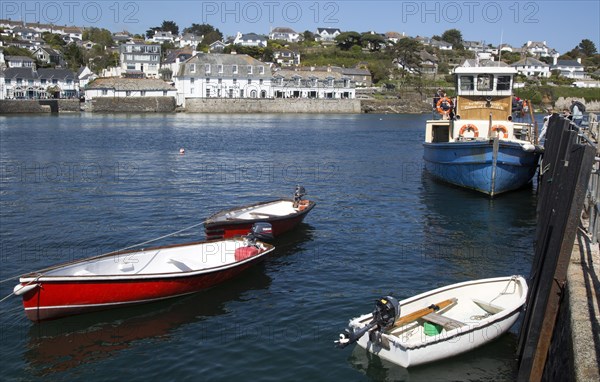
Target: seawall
{"x":9,"y":106}
{"x":132,"y":105}
{"x":220,"y":105}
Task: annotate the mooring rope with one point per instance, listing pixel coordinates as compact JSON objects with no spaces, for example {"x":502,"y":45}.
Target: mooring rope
{"x":122,"y":249}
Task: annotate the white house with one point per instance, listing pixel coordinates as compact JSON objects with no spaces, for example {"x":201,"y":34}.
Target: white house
{"x":47,"y":55}
{"x":285,"y":34}
{"x":23,"y":33}
{"x":540,"y":49}
{"x":532,"y":67}
{"x":140,"y":58}
{"x":29,"y":83}
{"x":171,"y":63}
{"x":188,"y":39}
{"x":214,"y":75}
{"x":569,"y":68}
{"x":286,"y":57}
{"x":84,"y":76}
{"x":315,"y":84}
{"x":128,"y":87}
{"x":19,"y":62}
{"x":394,"y":37}
{"x":217,"y":47}
{"x":327,"y":34}
{"x":440,"y":44}
{"x":250,"y":39}
{"x":161,"y":37}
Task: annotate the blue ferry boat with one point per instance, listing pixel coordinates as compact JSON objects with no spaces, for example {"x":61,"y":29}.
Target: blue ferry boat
{"x":477,"y":144}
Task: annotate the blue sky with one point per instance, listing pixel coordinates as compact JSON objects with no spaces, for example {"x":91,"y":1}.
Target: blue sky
{"x":563,"y":24}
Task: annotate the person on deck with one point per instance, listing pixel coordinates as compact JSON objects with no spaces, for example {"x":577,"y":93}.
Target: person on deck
{"x":577,"y":110}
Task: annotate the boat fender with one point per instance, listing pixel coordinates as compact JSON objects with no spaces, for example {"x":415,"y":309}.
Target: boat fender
{"x":444,"y":106}
{"x":469,"y":127}
{"x":501,"y":128}
{"x":244,"y":253}
{"x":22,"y":289}
{"x":303,"y":205}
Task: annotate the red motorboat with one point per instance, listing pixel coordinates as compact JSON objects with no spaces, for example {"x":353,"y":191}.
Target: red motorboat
{"x":133,"y":277}
{"x":282,"y":214}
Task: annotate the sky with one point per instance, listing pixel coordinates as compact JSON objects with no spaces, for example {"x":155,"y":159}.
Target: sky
{"x":562,"y":24}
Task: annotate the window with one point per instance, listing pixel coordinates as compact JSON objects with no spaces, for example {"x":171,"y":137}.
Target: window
{"x":192,"y":68}
{"x":241,"y":93}
{"x":42,"y":81}
{"x":207,"y":80}
{"x":220,"y":68}
{"x":485,"y":82}
{"x":128,"y":93}
{"x":249,"y":81}
{"x":143,"y":93}
{"x":235,"y":69}
{"x":466,"y":82}
{"x":192,"y":80}
{"x":260,"y":82}
{"x":19,"y":81}
{"x":235,"y":81}
{"x":261,"y":70}
{"x":207,"y":68}
{"x":220,"y":80}
{"x":164,"y":93}
{"x":503,"y":83}
{"x":191,"y":90}
{"x":7,"y":81}
{"x":249,"y":69}
{"x":207,"y":92}
{"x":230,"y":93}
{"x":104,"y":92}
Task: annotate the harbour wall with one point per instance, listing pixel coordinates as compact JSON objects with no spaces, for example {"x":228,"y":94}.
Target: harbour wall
{"x":132,"y":105}
{"x":219,"y":105}
{"x":39,"y":106}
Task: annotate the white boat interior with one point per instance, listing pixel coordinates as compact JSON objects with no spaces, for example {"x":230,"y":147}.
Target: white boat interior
{"x":177,"y":259}
{"x":276,"y":208}
{"x":474,"y":304}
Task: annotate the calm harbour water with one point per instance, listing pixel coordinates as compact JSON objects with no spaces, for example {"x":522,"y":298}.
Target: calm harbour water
{"x":73,"y":186}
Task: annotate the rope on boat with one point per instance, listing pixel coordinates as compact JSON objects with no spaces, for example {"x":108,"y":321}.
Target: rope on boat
{"x":118,"y":250}
{"x":13,"y":292}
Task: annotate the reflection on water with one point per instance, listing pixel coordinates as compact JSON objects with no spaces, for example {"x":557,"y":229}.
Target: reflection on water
{"x":477,"y":365}
{"x":57,"y":346}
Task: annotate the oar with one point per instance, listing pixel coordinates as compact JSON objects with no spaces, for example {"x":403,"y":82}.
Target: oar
{"x":423,"y":312}
{"x":349,"y":336}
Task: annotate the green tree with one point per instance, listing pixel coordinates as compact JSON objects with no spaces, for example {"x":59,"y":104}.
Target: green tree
{"x":372,"y":41}
{"x":308,"y":36}
{"x":170,"y":26}
{"x":346,"y":40}
{"x":587,"y":47}
{"x":74,"y":56}
{"x":407,"y":51}
{"x":54,"y":40}
{"x":203,"y":30}
{"x":100,"y":36}
{"x":454,"y":37}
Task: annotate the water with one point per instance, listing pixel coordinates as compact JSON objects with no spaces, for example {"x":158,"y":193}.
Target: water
{"x":74,"y":186}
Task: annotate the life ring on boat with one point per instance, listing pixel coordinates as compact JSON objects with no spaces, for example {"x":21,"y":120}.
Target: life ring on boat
{"x":303,"y":205}
{"x":444,"y":106}
{"x":501,"y":128}
{"x":468,"y":127}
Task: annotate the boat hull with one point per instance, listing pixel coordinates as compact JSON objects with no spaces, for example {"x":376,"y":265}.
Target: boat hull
{"x":424,"y":349}
{"x":55,"y":297}
{"x":471,"y":165}
{"x":217,"y":229}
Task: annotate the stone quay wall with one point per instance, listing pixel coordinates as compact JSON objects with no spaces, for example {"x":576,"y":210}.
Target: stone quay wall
{"x":133,"y":105}
{"x":220,"y":105}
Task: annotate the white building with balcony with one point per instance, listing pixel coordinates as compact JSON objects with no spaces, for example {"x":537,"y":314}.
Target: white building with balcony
{"x":140,"y":58}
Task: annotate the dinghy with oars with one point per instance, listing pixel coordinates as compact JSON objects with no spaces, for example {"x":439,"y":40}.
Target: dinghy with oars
{"x":440,"y":323}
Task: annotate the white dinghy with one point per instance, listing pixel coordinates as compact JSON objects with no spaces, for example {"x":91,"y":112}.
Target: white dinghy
{"x":440,"y":323}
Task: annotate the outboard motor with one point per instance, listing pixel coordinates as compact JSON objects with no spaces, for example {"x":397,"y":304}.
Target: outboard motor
{"x":298,"y":194}
{"x":259,"y":231}
{"x":385,"y":314}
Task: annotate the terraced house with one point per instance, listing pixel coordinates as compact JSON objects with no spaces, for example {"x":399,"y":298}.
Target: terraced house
{"x":213,"y":75}
{"x":139,"y":58}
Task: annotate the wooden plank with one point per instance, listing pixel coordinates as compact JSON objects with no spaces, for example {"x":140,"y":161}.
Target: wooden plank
{"x":423,"y":312}
{"x":447,"y":322}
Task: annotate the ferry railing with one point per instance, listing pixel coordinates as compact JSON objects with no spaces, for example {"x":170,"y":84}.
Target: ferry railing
{"x":589,"y":135}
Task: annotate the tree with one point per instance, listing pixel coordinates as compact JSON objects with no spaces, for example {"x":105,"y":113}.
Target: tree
{"x":203,"y":30}
{"x":54,"y":40}
{"x":308,"y":35}
{"x":346,"y":40}
{"x":150,"y":32}
{"x":100,"y":36}
{"x":406,"y":53}
{"x":587,"y":47}
{"x":372,"y":41}
{"x":454,"y":37}
{"x":74,"y":56}
{"x":170,"y":26}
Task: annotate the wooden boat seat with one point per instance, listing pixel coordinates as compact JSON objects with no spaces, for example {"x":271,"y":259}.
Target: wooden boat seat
{"x":263,"y":214}
{"x":181,"y":265}
{"x":490,"y":308}
{"x":446,"y":322}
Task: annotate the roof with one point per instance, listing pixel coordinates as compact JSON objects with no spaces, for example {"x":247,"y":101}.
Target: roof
{"x":328,"y":30}
{"x":124,"y":84}
{"x":283,"y":30}
{"x":18,"y":58}
{"x":355,"y":72}
{"x":318,"y":74}
{"x":394,"y":35}
{"x":254,"y":36}
{"x":227,"y":60}
{"x":574,"y":63}
{"x":530,"y":61}
{"x":44,"y":73}
{"x":485,"y":66}
{"x":172,"y":55}
{"x":23,"y":73}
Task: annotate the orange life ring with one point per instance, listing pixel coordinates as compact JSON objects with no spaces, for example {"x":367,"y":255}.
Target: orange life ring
{"x":444,"y":101}
{"x":469,"y":127}
{"x":501,"y":128}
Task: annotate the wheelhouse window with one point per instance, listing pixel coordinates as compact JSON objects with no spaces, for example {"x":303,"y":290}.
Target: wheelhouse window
{"x":485,"y":82}
{"x":503,"y":83}
{"x":466,"y":82}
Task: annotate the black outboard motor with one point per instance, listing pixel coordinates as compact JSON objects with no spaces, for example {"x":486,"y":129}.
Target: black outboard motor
{"x":259,"y":231}
{"x":385,"y":314}
{"x":298,"y":194}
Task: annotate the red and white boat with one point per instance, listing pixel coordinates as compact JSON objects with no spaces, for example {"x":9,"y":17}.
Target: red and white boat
{"x":282,"y":214}
{"x":133,"y":277}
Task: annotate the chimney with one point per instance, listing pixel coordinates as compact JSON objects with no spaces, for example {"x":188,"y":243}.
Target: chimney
{"x":554,"y":60}
{"x":579,"y":60}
